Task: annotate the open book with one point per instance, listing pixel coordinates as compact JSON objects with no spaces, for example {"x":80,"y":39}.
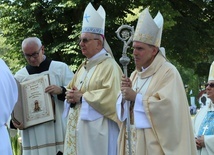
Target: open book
{"x":34,"y":106}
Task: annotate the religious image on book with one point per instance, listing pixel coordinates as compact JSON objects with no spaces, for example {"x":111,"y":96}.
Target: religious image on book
{"x":34,"y":106}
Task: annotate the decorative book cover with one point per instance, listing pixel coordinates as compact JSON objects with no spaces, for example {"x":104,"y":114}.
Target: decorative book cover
{"x":34,"y":106}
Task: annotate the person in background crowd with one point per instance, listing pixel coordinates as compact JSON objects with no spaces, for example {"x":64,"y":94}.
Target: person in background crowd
{"x":203,"y":122}
{"x":8,"y":99}
{"x":92,"y":127}
{"x":46,"y":138}
{"x":160,"y":122}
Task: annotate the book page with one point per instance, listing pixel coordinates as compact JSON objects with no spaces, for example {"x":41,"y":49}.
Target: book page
{"x":36,"y":104}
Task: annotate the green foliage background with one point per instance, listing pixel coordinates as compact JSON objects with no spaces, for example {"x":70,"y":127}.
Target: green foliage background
{"x":187,"y":35}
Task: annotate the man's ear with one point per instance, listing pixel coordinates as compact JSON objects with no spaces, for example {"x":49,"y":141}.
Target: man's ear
{"x":155,"y":50}
{"x":100,"y":43}
{"x":43,"y":49}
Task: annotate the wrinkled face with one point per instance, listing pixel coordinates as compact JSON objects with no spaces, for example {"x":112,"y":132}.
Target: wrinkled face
{"x":210,"y":89}
{"x":90,"y":44}
{"x":143,"y":54}
{"x":33,"y":54}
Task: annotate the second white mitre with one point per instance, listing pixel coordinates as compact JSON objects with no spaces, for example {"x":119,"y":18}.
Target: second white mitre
{"x":94,"y":20}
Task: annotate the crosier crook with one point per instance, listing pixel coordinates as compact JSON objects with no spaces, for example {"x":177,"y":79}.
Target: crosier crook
{"x":125,"y":33}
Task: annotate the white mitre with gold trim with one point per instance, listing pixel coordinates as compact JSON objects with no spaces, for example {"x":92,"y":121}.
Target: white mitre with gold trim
{"x":149,"y":30}
{"x":211,"y":73}
{"x":94,"y":20}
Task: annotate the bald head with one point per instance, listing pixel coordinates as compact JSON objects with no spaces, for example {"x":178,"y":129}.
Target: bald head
{"x":31,"y":41}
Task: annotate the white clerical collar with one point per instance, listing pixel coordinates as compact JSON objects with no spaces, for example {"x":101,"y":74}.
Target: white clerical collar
{"x":103,"y":51}
{"x":143,"y":69}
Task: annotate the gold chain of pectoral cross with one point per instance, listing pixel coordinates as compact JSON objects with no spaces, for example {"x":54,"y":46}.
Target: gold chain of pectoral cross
{"x":132,"y":103}
{"x":139,"y":88}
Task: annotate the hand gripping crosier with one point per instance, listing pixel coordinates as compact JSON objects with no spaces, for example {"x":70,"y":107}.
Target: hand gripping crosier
{"x":125,"y":33}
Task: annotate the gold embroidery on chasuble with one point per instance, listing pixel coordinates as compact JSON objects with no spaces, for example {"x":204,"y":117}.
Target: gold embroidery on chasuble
{"x":82,"y":83}
{"x":71,"y":127}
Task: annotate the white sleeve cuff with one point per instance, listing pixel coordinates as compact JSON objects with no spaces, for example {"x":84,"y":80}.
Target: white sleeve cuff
{"x":66,"y":109}
{"x":140,"y":118}
{"x":121,"y":113}
{"x":88,"y":113}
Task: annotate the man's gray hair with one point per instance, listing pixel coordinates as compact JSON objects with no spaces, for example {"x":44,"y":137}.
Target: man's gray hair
{"x":31,"y":40}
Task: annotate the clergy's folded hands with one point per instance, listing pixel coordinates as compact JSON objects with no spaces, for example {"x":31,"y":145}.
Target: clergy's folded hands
{"x":73,"y":95}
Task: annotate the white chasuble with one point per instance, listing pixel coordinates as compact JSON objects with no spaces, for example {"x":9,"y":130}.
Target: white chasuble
{"x":169,"y":128}
{"x":97,"y":133}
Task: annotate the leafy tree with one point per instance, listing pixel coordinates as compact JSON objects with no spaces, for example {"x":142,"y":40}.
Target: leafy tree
{"x":57,"y":23}
{"x":187,"y":35}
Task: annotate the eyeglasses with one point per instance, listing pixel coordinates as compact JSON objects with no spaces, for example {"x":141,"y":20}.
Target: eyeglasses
{"x":34,"y":55}
{"x":86,"y":40}
{"x":209,"y":84}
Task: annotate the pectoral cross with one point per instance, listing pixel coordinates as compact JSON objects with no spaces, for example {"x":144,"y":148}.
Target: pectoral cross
{"x":205,"y":129}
